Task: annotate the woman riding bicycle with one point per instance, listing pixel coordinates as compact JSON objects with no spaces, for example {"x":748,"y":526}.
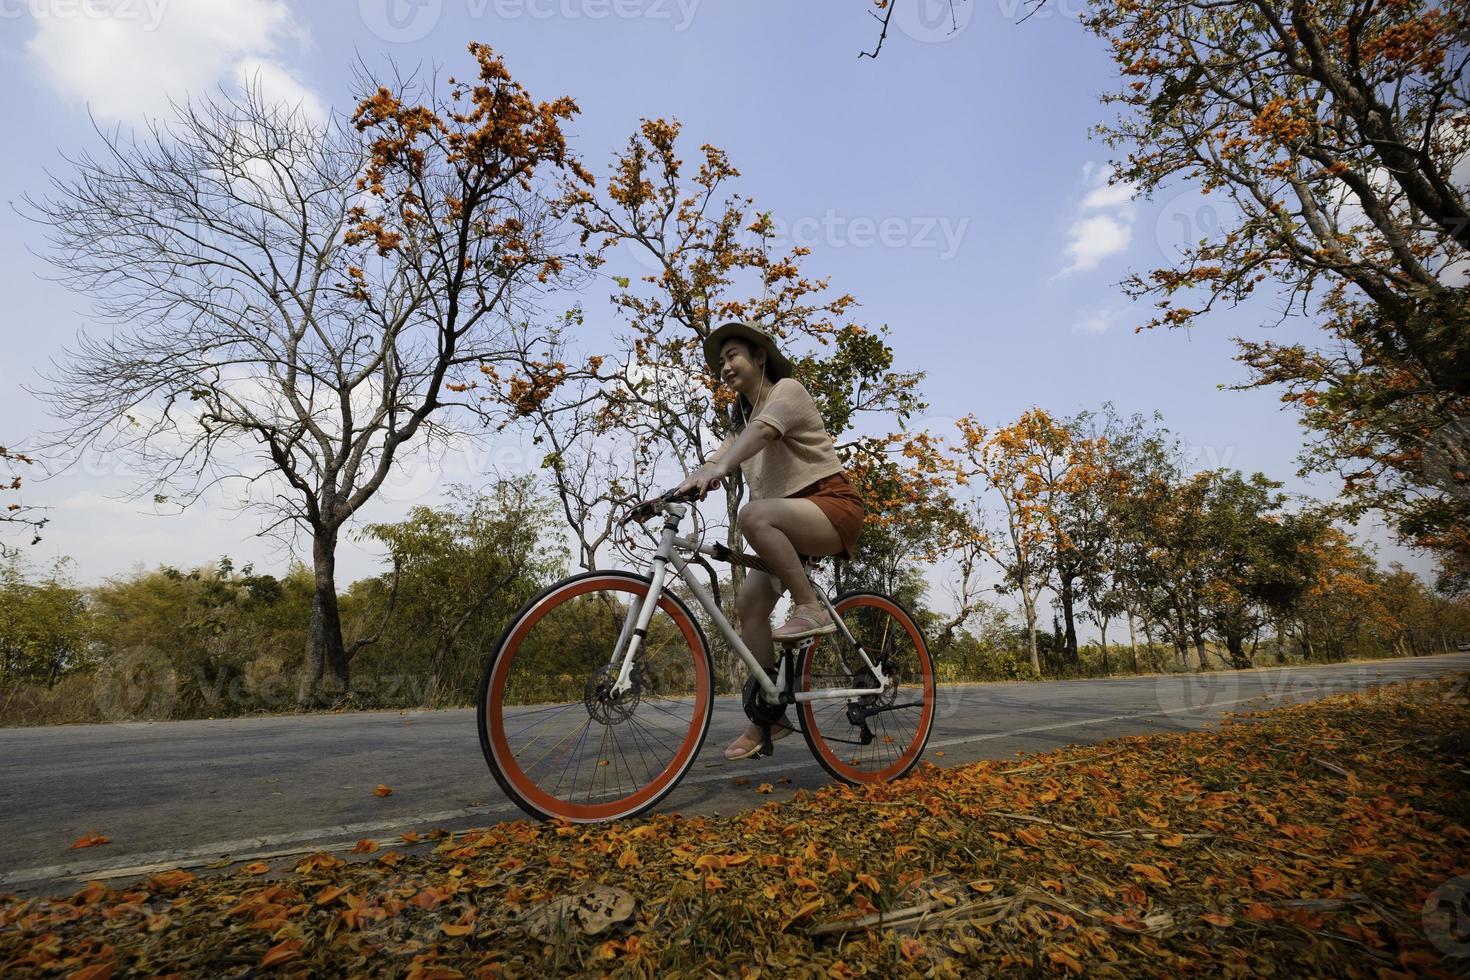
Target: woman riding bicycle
{"x":801,"y":502}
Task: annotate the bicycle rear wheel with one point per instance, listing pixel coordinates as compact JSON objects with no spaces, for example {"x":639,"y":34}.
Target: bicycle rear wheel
{"x":557,"y":742}
{"x":900,"y":719}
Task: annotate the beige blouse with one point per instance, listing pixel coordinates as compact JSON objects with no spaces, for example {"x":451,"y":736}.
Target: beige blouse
{"x":803,"y":454}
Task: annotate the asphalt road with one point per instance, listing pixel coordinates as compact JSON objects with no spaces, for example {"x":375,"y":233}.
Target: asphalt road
{"x":192,"y":793}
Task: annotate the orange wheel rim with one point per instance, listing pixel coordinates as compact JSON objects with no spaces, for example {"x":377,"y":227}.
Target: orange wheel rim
{"x":588,"y":812}
{"x":926,"y":713}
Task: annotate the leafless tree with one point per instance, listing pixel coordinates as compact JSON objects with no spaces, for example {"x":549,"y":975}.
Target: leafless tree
{"x":297,"y":303}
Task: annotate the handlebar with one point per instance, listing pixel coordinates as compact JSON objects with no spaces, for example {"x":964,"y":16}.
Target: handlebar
{"x":646,"y":509}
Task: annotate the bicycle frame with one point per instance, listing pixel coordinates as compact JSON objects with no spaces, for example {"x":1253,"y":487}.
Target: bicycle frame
{"x":635,"y":625}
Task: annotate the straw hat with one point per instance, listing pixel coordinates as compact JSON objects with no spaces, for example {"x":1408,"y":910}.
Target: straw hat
{"x":779,"y":366}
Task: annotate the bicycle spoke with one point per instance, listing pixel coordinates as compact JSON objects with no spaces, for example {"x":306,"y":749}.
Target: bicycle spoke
{"x":897,"y":733}
{"x":576,"y":748}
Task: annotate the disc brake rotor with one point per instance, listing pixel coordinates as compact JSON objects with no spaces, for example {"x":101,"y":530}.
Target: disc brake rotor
{"x":602,"y":705}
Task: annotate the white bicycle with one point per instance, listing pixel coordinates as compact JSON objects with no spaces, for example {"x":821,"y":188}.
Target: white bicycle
{"x":599,"y":693}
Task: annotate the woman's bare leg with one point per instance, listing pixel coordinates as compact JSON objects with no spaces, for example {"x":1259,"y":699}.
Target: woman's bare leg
{"x":754,"y":604}
{"x":781,"y":529}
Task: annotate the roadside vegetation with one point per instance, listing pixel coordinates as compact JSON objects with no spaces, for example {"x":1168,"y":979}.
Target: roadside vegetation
{"x":168,"y":643}
{"x":433,"y":254}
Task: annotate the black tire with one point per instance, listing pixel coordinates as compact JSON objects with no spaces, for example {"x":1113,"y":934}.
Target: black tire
{"x":574,"y":636}
{"x":883,"y":626}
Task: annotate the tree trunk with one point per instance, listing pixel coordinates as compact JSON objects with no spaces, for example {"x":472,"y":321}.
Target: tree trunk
{"x":1103,"y":627}
{"x":324,"y":675}
{"x":1069,"y":639}
{"x":1236,"y":646}
{"x":1030,"y":607}
{"x":1132,"y":641}
{"x":1199,"y":648}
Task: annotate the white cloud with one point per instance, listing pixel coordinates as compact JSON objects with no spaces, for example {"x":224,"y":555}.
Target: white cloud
{"x":1096,"y":323}
{"x":1094,"y":236}
{"x":126,"y":58}
{"x":1118,"y":195}
{"x":1094,"y":239}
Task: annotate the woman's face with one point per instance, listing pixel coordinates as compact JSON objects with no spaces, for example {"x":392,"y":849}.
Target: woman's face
{"x":742,"y":366}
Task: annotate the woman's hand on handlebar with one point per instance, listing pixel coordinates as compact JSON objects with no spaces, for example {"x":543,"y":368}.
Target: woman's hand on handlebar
{"x":708,"y":477}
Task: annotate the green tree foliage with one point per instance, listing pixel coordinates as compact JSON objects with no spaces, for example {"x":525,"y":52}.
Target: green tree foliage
{"x":1257,"y":558}
{"x":462,"y":571}
{"x":207,"y":641}
{"x":45,"y":624}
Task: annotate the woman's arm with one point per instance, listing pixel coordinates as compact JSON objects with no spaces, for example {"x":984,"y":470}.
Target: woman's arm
{"x":755,"y":437}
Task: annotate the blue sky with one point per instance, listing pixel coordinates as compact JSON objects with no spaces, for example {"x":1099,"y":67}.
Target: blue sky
{"x":951,"y":186}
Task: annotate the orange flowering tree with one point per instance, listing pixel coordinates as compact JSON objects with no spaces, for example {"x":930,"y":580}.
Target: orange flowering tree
{"x":708,"y":257}
{"x":1110,"y":520}
{"x":298,"y":304}
{"x":1020,"y":474}
{"x":1339,"y":133}
{"x":1344,"y":599}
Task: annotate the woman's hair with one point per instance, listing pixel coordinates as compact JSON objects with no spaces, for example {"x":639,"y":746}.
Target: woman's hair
{"x":741,"y":409}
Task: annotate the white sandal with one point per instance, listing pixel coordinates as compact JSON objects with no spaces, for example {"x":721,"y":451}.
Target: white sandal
{"x":752,"y":746}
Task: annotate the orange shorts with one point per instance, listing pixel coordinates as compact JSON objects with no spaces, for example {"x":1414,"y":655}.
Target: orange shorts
{"x":839,"y":500}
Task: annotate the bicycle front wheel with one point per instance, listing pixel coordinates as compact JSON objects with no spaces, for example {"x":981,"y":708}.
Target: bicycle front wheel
{"x":558,"y":741}
{"x":899,"y":719}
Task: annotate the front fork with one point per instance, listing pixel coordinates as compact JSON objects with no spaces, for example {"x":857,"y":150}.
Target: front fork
{"x":635,"y":623}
